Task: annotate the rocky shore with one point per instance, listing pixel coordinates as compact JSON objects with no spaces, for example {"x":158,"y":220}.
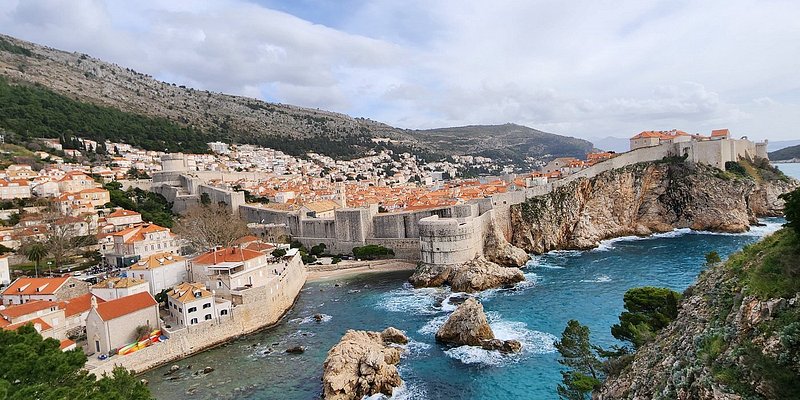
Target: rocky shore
{"x":643,"y":199}
{"x":363,"y":364}
{"x":473,"y":276}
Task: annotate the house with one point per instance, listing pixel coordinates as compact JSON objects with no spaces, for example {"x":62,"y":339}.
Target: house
{"x":132,"y":244}
{"x":122,"y":218}
{"x":20,"y":171}
{"x":558,"y":164}
{"x":75,"y":312}
{"x":14,"y":189}
{"x":191,"y":303}
{"x":720,"y":134}
{"x":24,"y":290}
{"x":229,"y":270}
{"x":655,"y":138}
{"x":119,"y":322}
{"x":114,"y":288}
{"x":75,"y":181}
{"x":82,"y":202}
{"x":46,"y":189}
{"x":161,"y":271}
{"x":48,"y":314}
{"x":319,"y":209}
{"x":5,"y":275}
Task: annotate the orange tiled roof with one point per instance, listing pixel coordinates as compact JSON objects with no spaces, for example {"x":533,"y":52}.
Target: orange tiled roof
{"x":125,"y":305}
{"x":36,"y":321}
{"x":121,"y":212}
{"x":156,"y":261}
{"x":77,"y":305}
{"x":720,"y":132}
{"x":230,"y":254}
{"x":188,"y":291}
{"x":119,"y":283}
{"x":27,"y":308}
{"x":40,"y":286}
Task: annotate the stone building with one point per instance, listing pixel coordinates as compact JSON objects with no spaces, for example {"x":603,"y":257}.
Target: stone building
{"x":161,"y":271}
{"x":132,"y":244}
{"x":115,"y":323}
{"x":117,"y":287}
{"x":191,"y":303}
{"x":24,"y":290}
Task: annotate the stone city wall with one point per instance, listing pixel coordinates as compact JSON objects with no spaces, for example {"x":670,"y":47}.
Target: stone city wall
{"x":263,"y":307}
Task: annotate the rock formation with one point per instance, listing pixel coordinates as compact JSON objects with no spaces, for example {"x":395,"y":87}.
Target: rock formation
{"x":468,"y":326}
{"x":728,"y":341}
{"x":473,"y":276}
{"x":499,"y":251}
{"x":363,"y":364}
{"x":642,"y":199}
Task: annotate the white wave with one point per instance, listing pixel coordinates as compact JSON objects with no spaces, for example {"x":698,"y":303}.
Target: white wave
{"x":312,"y":319}
{"x":432,"y":326}
{"x":414,"y":348}
{"x":409,"y":299}
{"x":533,"y":342}
{"x":406,"y":391}
{"x":599,"y":279}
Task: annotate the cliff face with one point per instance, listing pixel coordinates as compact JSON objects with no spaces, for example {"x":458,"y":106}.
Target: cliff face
{"x":737,"y":335}
{"x":642,"y":199}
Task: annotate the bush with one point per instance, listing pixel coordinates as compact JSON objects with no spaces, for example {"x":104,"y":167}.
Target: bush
{"x":278,"y":253}
{"x":372,"y":251}
{"x":648,"y":310}
{"x":791,"y":209}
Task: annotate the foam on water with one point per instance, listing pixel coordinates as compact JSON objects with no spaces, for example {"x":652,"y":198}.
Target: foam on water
{"x":415,"y":349}
{"x":533,"y":342}
{"x":432,"y":326}
{"x":598,"y":279}
{"x":409,"y":299}
{"x":311,"y":319}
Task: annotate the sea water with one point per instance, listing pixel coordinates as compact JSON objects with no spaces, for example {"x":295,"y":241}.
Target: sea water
{"x":791,"y":169}
{"x":562,"y":285}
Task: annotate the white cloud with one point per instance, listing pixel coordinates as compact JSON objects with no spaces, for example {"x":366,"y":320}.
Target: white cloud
{"x":581,"y":68}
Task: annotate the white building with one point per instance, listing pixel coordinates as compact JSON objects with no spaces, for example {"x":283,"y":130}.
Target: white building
{"x":122,"y":218}
{"x":5,"y":275}
{"x":14,"y":189}
{"x":115,"y":323}
{"x":231,"y":269}
{"x":161,"y":271}
{"x":132,"y":244}
{"x":191,"y":303}
{"x":115,"y":288}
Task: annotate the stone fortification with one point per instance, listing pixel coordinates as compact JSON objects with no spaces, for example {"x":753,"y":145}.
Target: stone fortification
{"x":263,"y":306}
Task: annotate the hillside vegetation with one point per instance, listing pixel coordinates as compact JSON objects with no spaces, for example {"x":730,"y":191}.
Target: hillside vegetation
{"x":182,"y":117}
{"x":788,"y":153}
{"x":737,"y":335}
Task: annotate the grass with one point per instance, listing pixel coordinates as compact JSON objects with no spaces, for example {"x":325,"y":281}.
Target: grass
{"x":777,"y":271}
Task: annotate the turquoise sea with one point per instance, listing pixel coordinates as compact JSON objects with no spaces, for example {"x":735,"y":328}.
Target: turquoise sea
{"x":791,"y":169}
{"x":560,"y":286}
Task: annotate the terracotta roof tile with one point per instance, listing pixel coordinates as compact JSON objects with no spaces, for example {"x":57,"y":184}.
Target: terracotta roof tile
{"x":125,"y":305}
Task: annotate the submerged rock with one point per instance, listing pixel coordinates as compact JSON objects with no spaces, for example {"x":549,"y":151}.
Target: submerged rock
{"x":466,"y":326}
{"x":503,"y":346}
{"x":363,"y":364}
{"x":296,"y":350}
{"x":474,"y":276}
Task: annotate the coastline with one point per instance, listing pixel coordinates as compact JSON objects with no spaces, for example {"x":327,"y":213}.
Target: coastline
{"x":344,"y":270}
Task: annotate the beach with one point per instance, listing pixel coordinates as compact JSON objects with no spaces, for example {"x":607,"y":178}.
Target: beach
{"x":345,"y":269}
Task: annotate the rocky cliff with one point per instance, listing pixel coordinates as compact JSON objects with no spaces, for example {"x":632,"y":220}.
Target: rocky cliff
{"x":473,"y":276}
{"x":737,"y":335}
{"x":646,"y":198}
{"x":363,"y":364}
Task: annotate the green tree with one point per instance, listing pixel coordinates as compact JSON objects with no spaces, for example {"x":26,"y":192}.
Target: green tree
{"x":36,"y":252}
{"x":205,"y":199}
{"x":278,"y":253}
{"x":712,"y":258}
{"x":791,"y":209}
{"x":40,"y":370}
{"x":647,"y":310}
{"x":579,"y":356}
{"x":318,"y":249}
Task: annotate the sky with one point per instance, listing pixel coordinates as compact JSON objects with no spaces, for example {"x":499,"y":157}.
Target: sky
{"x":587,"y":69}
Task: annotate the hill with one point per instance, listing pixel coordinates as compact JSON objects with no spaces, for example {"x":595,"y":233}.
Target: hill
{"x":788,"y":153}
{"x":74,"y":81}
{"x":737,"y":334}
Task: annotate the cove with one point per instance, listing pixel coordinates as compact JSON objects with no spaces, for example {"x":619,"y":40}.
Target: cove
{"x":562,"y":285}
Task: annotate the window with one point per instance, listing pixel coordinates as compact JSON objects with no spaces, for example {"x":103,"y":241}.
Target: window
{"x":97,"y":345}
{"x":208,"y":317}
{"x":191,"y":309}
{"x":207,"y":305}
{"x":193,"y":321}
{"x":179,"y":309}
{"x":223,"y":312}
{"x":219,"y":283}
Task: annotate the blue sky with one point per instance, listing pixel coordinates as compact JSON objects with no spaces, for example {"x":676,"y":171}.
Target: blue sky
{"x":580,"y":68}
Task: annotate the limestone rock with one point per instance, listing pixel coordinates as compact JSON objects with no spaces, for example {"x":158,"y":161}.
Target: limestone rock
{"x":474,"y":276}
{"x":503,"y":346}
{"x":296,"y":350}
{"x":362,"y":364}
{"x":394,"y":335}
{"x":466,"y":326}
{"x":642,"y":199}
{"x":498,"y":250}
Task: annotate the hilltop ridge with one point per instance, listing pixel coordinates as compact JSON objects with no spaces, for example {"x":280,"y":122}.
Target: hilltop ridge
{"x":238,"y":119}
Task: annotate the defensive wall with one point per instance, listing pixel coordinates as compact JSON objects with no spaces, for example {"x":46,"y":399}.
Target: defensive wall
{"x":262,"y":307}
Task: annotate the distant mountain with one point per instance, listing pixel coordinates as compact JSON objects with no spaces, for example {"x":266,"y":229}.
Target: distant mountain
{"x":781,"y":144}
{"x":610,"y":143}
{"x":508,"y":141}
{"x":93,"y":98}
{"x":788,"y":153}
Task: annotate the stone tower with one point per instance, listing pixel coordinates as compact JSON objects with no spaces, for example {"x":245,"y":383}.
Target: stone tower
{"x":341,"y":194}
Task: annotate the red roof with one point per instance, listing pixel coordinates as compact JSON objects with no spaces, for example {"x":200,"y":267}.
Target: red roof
{"x":122,"y":213}
{"x":125,"y":305}
{"x":78,"y":304}
{"x":27,"y":308}
{"x":230,"y":254}
{"x":36,"y":321}
{"x":720,"y":132}
{"x":40,"y":286}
